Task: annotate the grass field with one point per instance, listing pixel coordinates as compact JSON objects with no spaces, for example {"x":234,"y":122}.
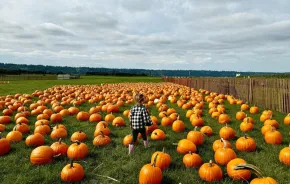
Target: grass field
{"x":113,"y":160}
{"x":29,"y":86}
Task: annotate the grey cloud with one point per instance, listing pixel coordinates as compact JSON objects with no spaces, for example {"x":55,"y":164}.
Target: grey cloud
{"x":70,"y":45}
{"x":26,"y":36}
{"x":89,"y":21}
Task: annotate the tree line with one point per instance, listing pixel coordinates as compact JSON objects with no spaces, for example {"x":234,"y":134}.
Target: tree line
{"x":17,"y":69}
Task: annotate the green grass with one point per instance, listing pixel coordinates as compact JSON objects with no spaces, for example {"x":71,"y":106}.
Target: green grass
{"x":16,"y":168}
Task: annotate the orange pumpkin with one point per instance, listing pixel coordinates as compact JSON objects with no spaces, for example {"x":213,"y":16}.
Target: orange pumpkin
{"x":41,"y":155}
{"x":242,"y":174}
{"x":185,"y":146}
{"x":210,"y":172}
{"x":192,"y":160}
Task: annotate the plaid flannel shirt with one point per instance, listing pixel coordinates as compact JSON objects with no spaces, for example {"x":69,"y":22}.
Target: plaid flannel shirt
{"x":139,"y":117}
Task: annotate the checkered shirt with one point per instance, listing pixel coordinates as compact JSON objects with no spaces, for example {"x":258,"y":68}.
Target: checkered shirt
{"x":139,"y":117}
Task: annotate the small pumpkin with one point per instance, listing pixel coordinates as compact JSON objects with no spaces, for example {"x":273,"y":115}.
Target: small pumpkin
{"x":185,"y":146}
{"x":163,"y":160}
{"x":254,"y":110}
{"x":149,"y":173}
{"x":58,"y":132}
{"x":240,"y":115}
{"x":5,"y":119}
{"x":101,"y":140}
{"x":104,"y":129}
{"x":227,"y":132}
{"x":197,"y":121}
{"x":79,"y":136}
{"x":96,"y":117}
{"x":35,"y":140}
{"x":246,"y":143}
{"x":59,"y":148}
{"x":23,"y":128}
{"x":56,"y":118}
{"x":109,"y":117}
{"x":77,"y":150}
{"x":178,"y":125}
{"x":246,"y":126}
{"x":72,"y":172}
{"x":287,"y":120}
{"x":273,"y":137}
{"x":210,"y":172}
{"x":192,"y":160}
{"x":2,"y":127}
{"x":284,"y":155}
{"x":166,"y":121}
{"x":158,"y":135}
{"x":14,"y":135}
{"x":206,"y":130}
{"x":42,"y":129}
{"x":195,"y":136}
{"x":224,"y":155}
{"x":118,"y":121}
{"x":224,"y":119}
{"x":220,"y":144}
{"x":128,"y":139}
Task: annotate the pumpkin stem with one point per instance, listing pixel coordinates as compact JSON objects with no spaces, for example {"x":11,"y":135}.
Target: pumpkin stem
{"x":195,"y":128}
{"x":71,"y":163}
{"x":210,"y":163}
{"x":154,"y":162}
{"x":190,"y":153}
{"x":163,"y":150}
{"x":102,"y":133}
{"x":226,"y":125}
{"x":245,"y":136}
{"x":0,"y":135}
{"x":80,"y":131}
{"x":225,"y":144}
{"x":59,"y":140}
{"x":76,"y":141}
{"x":256,"y":170}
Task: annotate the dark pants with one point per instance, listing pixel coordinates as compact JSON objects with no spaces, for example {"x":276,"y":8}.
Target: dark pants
{"x":135,"y":133}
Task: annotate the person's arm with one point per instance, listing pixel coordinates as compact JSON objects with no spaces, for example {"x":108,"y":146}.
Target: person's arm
{"x":146,"y":117}
{"x":130,"y":117}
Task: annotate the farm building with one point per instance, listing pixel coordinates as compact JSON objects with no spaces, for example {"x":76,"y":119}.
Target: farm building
{"x":67,"y":77}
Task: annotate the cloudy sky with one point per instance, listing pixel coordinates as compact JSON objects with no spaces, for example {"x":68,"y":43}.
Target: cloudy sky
{"x":239,"y":35}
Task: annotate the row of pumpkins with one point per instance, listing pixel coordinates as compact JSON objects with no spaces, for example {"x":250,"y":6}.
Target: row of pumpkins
{"x":189,"y":100}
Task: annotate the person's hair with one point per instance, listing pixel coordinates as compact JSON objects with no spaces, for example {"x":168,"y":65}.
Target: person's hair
{"x":139,"y":98}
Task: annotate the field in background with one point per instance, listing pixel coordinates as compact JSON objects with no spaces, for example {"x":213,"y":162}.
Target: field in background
{"x":113,"y":159}
{"x":29,"y":86}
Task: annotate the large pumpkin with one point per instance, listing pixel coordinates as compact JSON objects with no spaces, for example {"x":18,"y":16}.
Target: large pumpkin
{"x":41,"y":155}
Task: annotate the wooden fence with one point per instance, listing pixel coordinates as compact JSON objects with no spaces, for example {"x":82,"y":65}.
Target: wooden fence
{"x":269,"y":93}
{"x":27,"y":77}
